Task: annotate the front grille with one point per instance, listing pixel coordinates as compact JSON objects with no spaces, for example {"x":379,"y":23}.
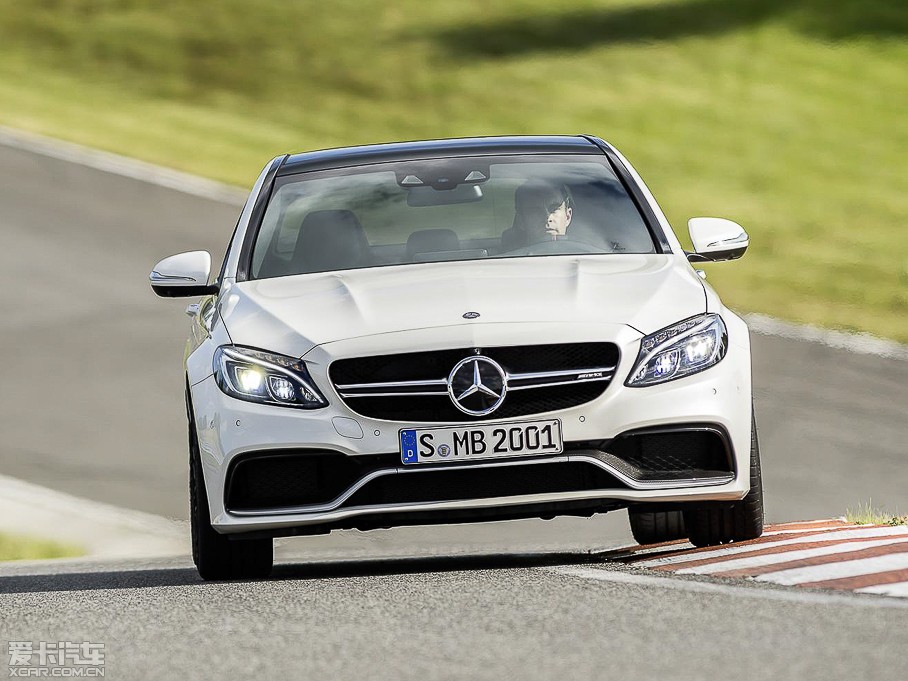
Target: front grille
{"x":412,"y":387}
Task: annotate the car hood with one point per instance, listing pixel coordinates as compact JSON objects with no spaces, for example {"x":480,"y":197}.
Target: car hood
{"x":291,"y":315}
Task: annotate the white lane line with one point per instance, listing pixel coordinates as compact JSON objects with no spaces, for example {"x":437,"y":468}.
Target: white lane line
{"x":733,"y":549}
{"x":822,"y":522}
{"x":677,"y":584}
{"x":899,"y":589}
{"x":636,"y":553}
{"x":786,"y":556}
{"x":846,"y":568}
{"x":123,"y":166}
{"x":828,"y":528}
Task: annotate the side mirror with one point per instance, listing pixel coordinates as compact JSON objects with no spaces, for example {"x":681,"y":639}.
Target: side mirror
{"x":183,"y":275}
{"x":716,"y":239}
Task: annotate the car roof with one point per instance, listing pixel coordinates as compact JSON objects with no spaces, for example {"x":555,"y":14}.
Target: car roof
{"x":408,"y":151}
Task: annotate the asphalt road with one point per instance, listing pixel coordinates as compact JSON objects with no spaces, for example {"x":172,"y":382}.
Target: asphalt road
{"x":91,"y":404}
{"x":473,"y":618}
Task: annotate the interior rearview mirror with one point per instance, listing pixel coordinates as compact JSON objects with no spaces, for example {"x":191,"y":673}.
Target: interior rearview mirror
{"x":183,"y":275}
{"x":716,"y":239}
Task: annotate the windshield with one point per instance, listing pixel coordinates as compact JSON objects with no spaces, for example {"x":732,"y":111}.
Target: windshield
{"x":446,"y":209}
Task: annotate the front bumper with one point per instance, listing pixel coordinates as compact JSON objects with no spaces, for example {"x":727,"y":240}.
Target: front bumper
{"x":229,"y":429}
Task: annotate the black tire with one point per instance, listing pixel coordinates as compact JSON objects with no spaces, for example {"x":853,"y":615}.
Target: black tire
{"x":727,"y":522}
{"x":654,"y":527}
{"x":215,"y":556}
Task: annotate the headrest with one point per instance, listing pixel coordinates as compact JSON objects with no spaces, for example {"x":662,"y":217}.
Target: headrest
{"x":330,"y":240}
{"x":432,"y":241}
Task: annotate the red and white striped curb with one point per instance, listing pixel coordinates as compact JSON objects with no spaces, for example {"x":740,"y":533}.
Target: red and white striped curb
{"x":828,"y":554}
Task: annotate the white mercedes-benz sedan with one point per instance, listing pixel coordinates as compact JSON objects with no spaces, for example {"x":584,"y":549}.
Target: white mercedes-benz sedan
{"x":456,"y":331}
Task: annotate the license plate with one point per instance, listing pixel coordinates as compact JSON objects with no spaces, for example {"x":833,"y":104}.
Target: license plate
{"x":462,"y":443}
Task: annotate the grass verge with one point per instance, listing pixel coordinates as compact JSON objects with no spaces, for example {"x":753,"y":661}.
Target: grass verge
{"x":866,"y":514}
{"x":16,"y":547}
{"x":785,"y":115}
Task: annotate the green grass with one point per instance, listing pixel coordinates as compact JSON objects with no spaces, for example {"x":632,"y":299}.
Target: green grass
{"x":785,"y":115}
{"x":867,"y":514}
{"x":15,"y":547}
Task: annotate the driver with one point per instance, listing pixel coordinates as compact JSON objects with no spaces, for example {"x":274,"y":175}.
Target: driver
{"x":543,"y":212}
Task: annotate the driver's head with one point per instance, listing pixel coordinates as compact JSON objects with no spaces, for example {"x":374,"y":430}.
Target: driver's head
{"x":543,"y":210}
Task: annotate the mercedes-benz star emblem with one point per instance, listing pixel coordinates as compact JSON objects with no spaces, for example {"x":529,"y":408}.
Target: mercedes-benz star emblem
{"x":477,"y":385}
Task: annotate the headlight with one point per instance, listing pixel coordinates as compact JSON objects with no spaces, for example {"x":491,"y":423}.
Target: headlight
{"x":265,"y":377}
{"x":680,"y":350}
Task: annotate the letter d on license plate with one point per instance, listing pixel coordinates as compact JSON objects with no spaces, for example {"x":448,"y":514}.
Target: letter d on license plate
{"x":461,"y":443}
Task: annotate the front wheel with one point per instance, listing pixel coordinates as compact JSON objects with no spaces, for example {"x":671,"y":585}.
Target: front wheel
{"x":737,"y":521}
{"x":655,"y":527}
{"x":215,"y":556}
